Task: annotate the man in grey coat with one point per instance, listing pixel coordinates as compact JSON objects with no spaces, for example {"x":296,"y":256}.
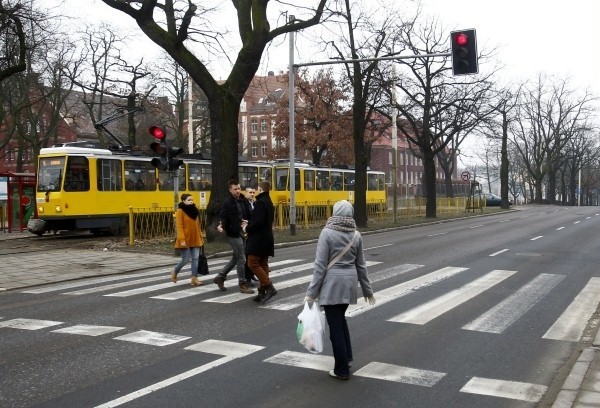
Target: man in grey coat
{"x":335,"y":287}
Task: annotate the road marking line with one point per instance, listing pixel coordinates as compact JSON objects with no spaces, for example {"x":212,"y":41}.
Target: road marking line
{"x":505,"y":389}
{"x":234,"y":350}
{"x":29,"y":324}
{"x":437,"y":235}
{"x":499,"y":252}
{"x":379,"y":246}
{"x":235,"y":297}
{"x":428,"y":311}
{"x":94,"y":281}
{"x":576,"y":222}
{"x":225,"y":348}
{"x":392,"y":293}
{"x":152,"y":338}
{"x":112,"y":278}
{"x":96,"y":289}
{"x":231,"y":282}
{"x":88,"y":330}
{"x":476,"y":226}
{"x":559,"y":228}
{"x":536,"y":238}
{"x":571,"y":324}
{"x":400,"y":374}
{"x":505,"y":313}
{"x":294,"y":301}
{"x":375,"y":370}
{"x":303,"y":360}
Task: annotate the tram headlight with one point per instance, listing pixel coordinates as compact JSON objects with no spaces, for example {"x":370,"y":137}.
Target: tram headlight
{"x":57,"y":208}
{"x":40,"y":210}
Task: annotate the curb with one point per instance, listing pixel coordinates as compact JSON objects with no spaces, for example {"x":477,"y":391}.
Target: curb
{"x":571,"y":391}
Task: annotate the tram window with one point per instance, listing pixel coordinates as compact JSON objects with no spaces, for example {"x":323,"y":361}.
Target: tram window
{"x":110,"y":175}
{"x":200,"y":176}
{"x":381,"y":179}
{"x":336,"y":181}
{"x":372,"y":182}
{"x":248,"y":176}
{"x":50,"y":174}
{"x":165,"y":180}
{"x":297,"y":179}
{"x":309,"y":180}
{"x":139,"y":176}
{"x":322,"y":180}
{"x":266,"y":174}
{"x":77,"y":175}
{"x":349,"y":180}
{"x":281,"y":176}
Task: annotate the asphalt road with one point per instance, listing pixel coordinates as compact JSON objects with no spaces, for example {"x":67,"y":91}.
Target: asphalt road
{"x":471,"y":313}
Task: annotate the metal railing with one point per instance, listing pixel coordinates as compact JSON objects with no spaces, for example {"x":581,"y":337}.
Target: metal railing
{"x":147,"y":223}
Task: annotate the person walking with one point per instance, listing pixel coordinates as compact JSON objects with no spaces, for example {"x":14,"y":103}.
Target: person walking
{"x":261,"y":243}
{"x":340,"y":245}
{"x":234,"y":216}
{"x":251,"y":196}
{"x":189,"y":238}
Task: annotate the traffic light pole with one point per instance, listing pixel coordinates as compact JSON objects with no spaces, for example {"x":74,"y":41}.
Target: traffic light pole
{"x":175,"y":189}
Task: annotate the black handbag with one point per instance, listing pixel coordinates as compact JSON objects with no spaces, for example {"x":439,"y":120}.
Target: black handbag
{"x":202,"y":263}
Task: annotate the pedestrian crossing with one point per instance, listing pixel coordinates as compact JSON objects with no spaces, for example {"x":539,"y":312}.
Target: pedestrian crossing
{"x":374,"y":370}
{"x":295,"y":274}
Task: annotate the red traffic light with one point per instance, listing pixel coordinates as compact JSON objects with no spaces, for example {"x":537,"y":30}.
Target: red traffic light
{"x":157,"y":132}
{"x":461,"y":39}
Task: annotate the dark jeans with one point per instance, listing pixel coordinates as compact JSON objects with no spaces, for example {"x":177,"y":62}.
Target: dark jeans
{"x":340,"y":337}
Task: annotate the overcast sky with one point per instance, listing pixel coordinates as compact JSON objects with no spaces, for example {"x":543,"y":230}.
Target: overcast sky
{"x":560,"y":38}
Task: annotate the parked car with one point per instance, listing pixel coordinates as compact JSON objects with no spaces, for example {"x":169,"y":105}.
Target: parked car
{"x":492,"y":200}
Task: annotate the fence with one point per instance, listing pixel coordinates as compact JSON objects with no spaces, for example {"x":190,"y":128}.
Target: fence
{"x":159,"y":222}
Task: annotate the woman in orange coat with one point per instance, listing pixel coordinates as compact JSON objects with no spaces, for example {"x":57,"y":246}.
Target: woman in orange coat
{"x":189,"y":239}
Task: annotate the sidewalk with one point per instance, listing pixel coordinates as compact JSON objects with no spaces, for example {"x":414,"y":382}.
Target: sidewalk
{"x":580,"y":390}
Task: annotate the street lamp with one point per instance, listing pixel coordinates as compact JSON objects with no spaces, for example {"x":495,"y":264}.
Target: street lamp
{"x":394,"y":144}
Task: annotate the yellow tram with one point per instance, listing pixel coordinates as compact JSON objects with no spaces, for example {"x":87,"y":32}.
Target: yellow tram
{"x":82,"y":188}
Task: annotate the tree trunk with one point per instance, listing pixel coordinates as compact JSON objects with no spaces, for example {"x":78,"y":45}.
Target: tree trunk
{"x":224,"y":112}
{"x":551,"y":191}
{"x":429,"y":183}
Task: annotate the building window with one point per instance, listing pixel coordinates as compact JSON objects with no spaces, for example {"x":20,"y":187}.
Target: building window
{"x":390,"y":158}
{"x":263,"y":125}
{"x":254,"y":126}
{"x":254,"y":150}
{"x":263,"y":149}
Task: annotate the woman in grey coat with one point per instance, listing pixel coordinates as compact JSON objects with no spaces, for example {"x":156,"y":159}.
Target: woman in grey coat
{"x":336,"y":288}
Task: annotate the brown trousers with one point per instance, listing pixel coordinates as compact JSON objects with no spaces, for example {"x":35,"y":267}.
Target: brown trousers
{"x":259,"y":265}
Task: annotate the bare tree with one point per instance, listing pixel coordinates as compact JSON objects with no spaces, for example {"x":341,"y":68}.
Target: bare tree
{"x":13,"y":17}
{"x":548,"y":116}
{"x":438,"y":111}
{"x":365,"y":35}
{"x":187,"y":21}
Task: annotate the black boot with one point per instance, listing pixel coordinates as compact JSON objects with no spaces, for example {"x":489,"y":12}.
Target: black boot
{"x":270,"y":291}
{"x":260,"y":296}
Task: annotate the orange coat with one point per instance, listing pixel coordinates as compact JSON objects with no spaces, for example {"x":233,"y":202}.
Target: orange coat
{"x":188,"y":231}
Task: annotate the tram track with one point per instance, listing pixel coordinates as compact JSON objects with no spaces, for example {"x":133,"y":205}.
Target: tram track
{"x":30,"y":244}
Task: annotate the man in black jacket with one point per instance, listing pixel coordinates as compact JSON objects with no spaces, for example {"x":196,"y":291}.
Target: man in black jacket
{"x":261,"y":243}
{"x":234,"y":216}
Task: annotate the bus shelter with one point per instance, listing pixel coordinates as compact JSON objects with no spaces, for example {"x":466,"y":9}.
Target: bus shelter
{"x":20,"y":200}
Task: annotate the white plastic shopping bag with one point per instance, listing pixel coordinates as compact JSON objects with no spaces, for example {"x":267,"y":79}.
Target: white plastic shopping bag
{"x":311,"y":328}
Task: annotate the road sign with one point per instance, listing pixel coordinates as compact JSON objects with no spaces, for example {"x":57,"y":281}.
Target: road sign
{"x":465,"y":175}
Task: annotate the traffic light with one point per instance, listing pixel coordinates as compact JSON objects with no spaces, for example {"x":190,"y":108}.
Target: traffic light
{"x":167,"y":160}
{"x":464,"y":52}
